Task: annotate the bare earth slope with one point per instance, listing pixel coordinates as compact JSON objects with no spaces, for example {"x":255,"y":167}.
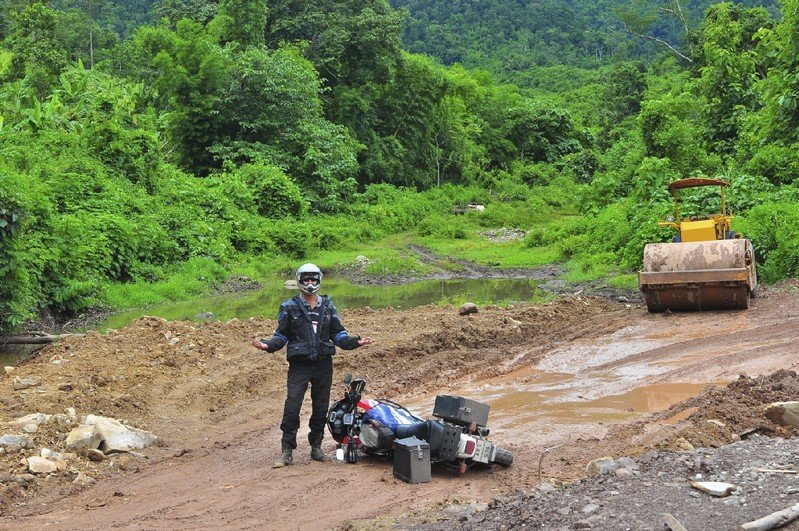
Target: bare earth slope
{"x":215,"y":403}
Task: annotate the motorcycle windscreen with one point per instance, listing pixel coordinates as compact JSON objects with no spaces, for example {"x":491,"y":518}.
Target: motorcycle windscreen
{"x":390,"y":416}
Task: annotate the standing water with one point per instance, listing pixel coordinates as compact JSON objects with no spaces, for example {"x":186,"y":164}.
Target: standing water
{"x":345,"y":295}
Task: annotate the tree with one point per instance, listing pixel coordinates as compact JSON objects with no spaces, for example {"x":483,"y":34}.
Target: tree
{"x":247,"y":21}
{"x":647,"y":20}
{"x":350,"y":42}
{"x":729,"y":71}
{"x":185,"y":71}
{"x":37,"y":52}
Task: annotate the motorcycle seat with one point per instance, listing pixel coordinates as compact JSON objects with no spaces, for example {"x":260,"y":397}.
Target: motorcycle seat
{"x":428,"y":430}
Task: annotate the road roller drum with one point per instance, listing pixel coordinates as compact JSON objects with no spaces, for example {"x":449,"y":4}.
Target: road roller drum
{"x":707,"y":275}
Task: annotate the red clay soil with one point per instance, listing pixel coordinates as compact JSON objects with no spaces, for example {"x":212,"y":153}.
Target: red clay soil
{"x":215,"y":403}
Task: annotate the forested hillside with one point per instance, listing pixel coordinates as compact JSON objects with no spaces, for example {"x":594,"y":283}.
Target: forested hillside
{"x":258,"y":131}
{"x":512,"y":36}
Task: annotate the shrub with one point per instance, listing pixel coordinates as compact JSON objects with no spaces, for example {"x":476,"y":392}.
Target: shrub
{"x":442,"y":226}
{"x":775,"y":162}
{"x":292,"y":238}
{"x":275,"y":194}
{"x":772,"y":229}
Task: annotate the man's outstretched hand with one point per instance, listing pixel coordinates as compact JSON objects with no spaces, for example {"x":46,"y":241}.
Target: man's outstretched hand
{"x":260,"y":345}
{"x":365,"y":341}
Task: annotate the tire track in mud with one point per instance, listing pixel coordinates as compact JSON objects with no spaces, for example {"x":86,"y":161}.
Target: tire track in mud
{"x":690,"y":357}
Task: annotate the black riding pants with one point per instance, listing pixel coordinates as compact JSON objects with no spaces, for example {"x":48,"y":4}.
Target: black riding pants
{"x":301,"y":373}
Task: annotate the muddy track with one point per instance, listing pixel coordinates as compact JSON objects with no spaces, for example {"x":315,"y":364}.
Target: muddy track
{"x":446,"y":268}
{"x":216,"y":404}
{"x":548,"y":276}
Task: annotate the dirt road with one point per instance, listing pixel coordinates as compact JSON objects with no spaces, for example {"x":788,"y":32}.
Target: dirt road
{"x":581,"y":378}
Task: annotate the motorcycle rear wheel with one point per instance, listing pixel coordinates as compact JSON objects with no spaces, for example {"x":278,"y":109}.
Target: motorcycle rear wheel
{"x":503,"y":457}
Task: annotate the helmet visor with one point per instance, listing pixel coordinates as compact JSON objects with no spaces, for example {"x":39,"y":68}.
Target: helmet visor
{"x":309,"y":278}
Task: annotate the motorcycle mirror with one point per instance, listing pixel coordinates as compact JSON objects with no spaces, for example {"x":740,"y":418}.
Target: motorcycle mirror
{"x":347,"y":378}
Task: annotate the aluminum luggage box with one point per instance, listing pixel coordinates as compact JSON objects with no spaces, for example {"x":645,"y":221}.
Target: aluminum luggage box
{"x":460,"y":411}
{"x":412,"y":460}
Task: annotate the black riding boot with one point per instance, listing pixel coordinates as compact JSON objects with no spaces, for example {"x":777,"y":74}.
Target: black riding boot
{"x":285,"y":458}
{"x":317,"y":454}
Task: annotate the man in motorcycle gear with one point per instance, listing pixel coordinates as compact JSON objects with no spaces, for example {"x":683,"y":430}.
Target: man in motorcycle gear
{"x":309,"y":326}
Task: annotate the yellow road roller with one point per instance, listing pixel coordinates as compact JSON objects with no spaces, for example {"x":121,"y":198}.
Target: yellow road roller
{"x":706,"y":267}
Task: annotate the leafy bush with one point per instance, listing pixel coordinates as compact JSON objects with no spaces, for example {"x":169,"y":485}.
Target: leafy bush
{"x":772,"y":229}
{"x":292,"y":238}
{"x":442,"y":227}
{"x":16,"y":297}
{"x":276,"y":195}
{"x":775,"y":162}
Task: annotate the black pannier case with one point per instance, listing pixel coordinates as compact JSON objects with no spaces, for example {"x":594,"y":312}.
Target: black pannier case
{"x":461,"y":411}
{"x":412,"y":460}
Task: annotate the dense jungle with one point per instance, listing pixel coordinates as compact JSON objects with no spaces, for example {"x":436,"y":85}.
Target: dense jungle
{"x":149,"y":151}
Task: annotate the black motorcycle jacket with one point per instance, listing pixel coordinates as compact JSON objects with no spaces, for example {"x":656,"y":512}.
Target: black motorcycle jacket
{"x":294,"y":327}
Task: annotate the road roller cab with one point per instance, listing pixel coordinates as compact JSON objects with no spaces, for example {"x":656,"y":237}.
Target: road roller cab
{"x":707,"y":266}
{"x":703,"y":227}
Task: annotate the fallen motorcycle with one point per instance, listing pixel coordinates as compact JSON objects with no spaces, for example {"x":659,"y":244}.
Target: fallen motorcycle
{"x":457,"y":437}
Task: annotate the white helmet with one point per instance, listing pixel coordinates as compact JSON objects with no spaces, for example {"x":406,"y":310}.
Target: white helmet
{"x":309,"y":271}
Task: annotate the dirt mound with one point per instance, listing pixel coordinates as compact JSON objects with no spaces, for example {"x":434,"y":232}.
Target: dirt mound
{"x":721,"y":414}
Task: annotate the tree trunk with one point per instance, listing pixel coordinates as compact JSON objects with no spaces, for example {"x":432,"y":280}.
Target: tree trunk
{"x":91,"y":46}
{"x":32,"y":340}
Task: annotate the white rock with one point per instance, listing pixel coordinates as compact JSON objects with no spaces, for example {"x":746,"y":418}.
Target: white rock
{"x":15,"y":441}
{"x":785,"y":413}
{"x":627,"y":463}
{"x":55,"y":456}
{"x":546,"y":487}
{"x":9,"y":369}
{"x":25,"y":383}
{"x":117,"y":437}
{"x":590,"y":508}
{"x":83,"y":479}
{"x":71,"y":413}
{"x":82,"y":438}
{"x":30,"y":428}
{"x":601,"y":466}
{"x":467,"y":308}
{"x":714,"y":488}
{"x":62,"y":421}
{"x":40,"y":465}
{"x":33,"y":418}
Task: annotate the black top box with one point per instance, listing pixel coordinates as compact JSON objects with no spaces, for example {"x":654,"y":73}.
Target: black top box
{"x":461,"y":411}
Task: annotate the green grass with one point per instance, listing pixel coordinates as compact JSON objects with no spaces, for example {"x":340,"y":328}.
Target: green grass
{"x":627,"y":281}
{"x":195,"y":278}
{"x":182,"y":282}
{"x":387,"y":256}
{"x":478,"y":249}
